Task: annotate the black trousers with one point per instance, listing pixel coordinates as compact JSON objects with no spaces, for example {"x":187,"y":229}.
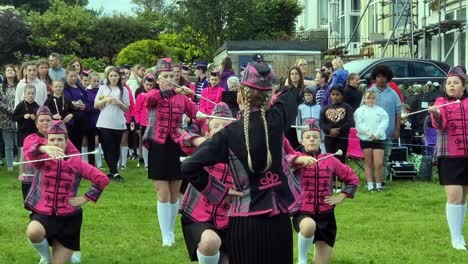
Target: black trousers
{"x":334,"y":144}
{"x":110,"y":141}
{"x":91,"y":136}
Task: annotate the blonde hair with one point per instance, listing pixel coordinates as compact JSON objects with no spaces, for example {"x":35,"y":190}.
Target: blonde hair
{"x":300,"y":61}
{"x":255,"y":98}
{"x":369,"y":93}
{"x":338,"y":62}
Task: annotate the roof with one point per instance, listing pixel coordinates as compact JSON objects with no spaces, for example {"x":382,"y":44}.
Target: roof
{"x":272,"y":45}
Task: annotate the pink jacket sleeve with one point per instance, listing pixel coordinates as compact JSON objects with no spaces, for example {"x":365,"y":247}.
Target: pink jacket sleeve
{"x":203,"y":102}
{"x":186,"y":142}
{"x":190,"y":108}
{"x":443,"y":115}
{"x":347,"y":176}
{"x":98,"y":178}
{"x":138,"y":107}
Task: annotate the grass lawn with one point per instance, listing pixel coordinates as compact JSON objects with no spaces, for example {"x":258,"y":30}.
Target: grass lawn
{"x":404,"y":224}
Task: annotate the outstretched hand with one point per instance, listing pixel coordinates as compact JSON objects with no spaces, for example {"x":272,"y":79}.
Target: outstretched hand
{"x":52,"y":151}
{"x":77,"y":201}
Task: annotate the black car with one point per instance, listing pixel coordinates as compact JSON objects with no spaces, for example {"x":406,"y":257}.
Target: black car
{"x":405,"y":71}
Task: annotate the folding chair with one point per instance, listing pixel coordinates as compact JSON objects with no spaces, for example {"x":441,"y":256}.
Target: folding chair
{"x":355,"y":154}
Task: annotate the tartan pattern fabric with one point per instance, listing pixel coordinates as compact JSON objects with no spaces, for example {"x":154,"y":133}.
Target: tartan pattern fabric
{"x":258,"y":76}
{"x":452,"y":131}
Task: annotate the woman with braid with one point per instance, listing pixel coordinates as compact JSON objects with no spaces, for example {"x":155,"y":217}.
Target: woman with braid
{"x":264,"y":192}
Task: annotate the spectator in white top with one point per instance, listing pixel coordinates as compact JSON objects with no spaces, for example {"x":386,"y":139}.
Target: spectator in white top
{"x":113,"y":101}
{"x":31,"y":78}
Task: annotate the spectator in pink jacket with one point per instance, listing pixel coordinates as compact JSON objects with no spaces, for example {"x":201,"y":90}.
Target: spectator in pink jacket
{"x":213,"y":93}
{"x":141,"y":113}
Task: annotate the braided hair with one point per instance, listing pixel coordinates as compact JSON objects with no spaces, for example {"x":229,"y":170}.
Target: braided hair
{"x":254,"y":98}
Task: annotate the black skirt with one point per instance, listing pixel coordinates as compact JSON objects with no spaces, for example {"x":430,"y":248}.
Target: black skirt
{"x":372,"y":144}
{"x":325,"y":226}
{"x":260,"y":240}
{"x":453,"y":171}
{"x":192,"y":234}
{"x":164,"y":161}
{"x":64,"y":229}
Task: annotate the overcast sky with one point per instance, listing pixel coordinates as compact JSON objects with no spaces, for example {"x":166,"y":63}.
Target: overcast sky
{"x":122,"y":6}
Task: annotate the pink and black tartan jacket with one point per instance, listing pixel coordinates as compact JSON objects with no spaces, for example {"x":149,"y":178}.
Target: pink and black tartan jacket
{"x":28,"y":146}
{"x":275,"y":191}
{"x":452,"y":131}
{"x":195,"y":205}
{"x":58,"y":180}
{"x":169,"y":110}
{"x":317,"y":182}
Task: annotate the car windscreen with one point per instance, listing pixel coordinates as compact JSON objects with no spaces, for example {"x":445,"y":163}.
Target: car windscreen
{"x":357,"y":66}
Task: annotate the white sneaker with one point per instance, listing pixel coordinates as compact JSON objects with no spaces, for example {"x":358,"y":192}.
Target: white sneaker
{"x":458,"y":245}
{"x":76,"y":257}
{"x":167,"y":242}
{"x":44,"y":261}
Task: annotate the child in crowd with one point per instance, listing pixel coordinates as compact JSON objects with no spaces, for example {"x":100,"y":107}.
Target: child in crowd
{"x":92,"y":117}
{"x":430,"y":134}
{"x":371,"y":123}
{"x":60,"y":108}
{"x":406,"y":133}
{"x":213,"y":93}
{"x":322,"y":95}
{"x":141,"y":114}
{"x":129,"y":122}
{"x":352,"y":95}
{"x":307,"y":110}
{"x":315,"y":222}
{"x":204,"y":224}
{"x":336,"y":120}
{"x":25,"y":116}
{"x":113,"y":100}
{"x":75,"y":93}
{"x":57,"y":217}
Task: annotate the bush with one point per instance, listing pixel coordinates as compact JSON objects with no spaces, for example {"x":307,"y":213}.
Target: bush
{"x":147,"y":52}
{"x":88,"y":63}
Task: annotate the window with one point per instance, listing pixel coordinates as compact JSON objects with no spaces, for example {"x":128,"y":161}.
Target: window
{"x":399,"y":68}
{"x":353,"y":24}
{"x":355,"y":6}
{"x":450,"y":16}
{"x":399,"y":9}
{"x":372,"y":18}
{"x":323,"y":12}
{"x":462,"y":49}
{"x":461,"y":14}
{"x":342,"y":30}
{"x":423,"y":69}
{"x":448,"y":42}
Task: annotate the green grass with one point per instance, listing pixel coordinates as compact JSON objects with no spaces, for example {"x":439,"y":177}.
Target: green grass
{"x":404,"y":224}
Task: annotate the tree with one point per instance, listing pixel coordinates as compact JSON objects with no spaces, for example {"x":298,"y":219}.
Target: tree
{"x":38,"y":5}
{"x":154,"y":6}
{"x":118,"y":31}
{"x":235,"y":20}
{"x":183,"y":41}
{"x":147,"y":52}
{"x":15,"y":35}
{"x":62,"y":28}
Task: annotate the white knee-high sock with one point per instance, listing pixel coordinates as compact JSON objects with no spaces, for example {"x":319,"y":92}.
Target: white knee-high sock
{"x":42,"y":248}
{"x":124,"y":155}
{"x":463,"y":215}
{"x":174,"y":210}
{"x":101,"y":151}
{"x":303,"y":247}
{"x":145,"y":156}
{"x":164,"y":216}
{"x":84,"y":150}
{"x":98,"y":158}
{"x":454,"y":219}
{"x":202,"y":259}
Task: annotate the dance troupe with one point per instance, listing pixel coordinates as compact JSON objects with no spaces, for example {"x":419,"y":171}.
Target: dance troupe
{"x":246,"y":182}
